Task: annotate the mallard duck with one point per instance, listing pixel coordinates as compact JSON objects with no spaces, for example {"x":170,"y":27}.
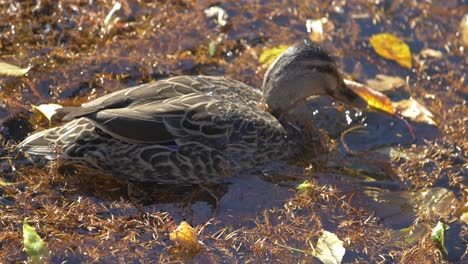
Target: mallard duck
{"x":197,"y":129}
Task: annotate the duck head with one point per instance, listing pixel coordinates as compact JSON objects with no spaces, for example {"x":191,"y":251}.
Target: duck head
{"x":304,"y":70}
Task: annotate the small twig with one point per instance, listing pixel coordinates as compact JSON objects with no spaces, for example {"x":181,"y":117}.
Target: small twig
{"x":344,"y":142}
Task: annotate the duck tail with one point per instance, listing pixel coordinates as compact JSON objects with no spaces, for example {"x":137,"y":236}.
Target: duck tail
{"x":41,"y":144}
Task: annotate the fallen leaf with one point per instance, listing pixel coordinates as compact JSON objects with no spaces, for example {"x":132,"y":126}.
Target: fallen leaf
{"x":268,"y":56}
{"x":186,"y":236}
{"x":408,"y":237}
{"x":384,"y":83}
{"x":315,"y":29}
{"x":415,"y":111}
{"x":214,"y":45}
{"x":12,"y":70}
{"x":4,"y":183}
{"x":464,"y":217}
{"x":431,"y":53}
{"x":305,"y":186}
{"x":391,"y":47}
{"x":33,"y":244}
{"x":374,"y":98}
{"x":437,"y":235}
{"x":437,"y":200}
{"x":329,"y":248}
{"x":48,"y":110}
{"x":221,"y":16}
{"x":463,"y":29}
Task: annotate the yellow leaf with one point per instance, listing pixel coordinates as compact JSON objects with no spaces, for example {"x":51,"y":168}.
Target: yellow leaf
{"x":186,"y":236}
{"x":4,"y":183}
{"x":391,"y":47}
{"x":268,"y":56}
{"x":373,"y":98}
{"x":463,"y":29}
{"x":464,"y":217}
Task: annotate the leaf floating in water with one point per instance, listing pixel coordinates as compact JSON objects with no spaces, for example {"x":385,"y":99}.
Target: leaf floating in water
{"x":378,"y":101}
{"x":431,"y":53}
{"x":437,"y":235}
{"x":186,"y":236}
{"x":374,"y":98}
{"x":329,"y":248}
{"x":414,"y":111}
{"x":4,"y":183}
{"x":391,"y":47}
{"x":214,"y":45}
{"x":384,"y":83}
{"x":221,"y":16}
{"x":408,"y":236}
{"x":48,"y":110}
{"x":463,"y":29}
{"x":268,"y":56}
{"x":12,"y":70}
{"x":34,"y":246}
{"x":464,"y":217}
{"x":305,"y":186}
{"x":315,"y":29}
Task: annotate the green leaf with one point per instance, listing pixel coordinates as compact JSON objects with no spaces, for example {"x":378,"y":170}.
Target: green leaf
{"x":212,"y":48}
{"x":437,"y":235}
{"x":33,"y":244}
{"x":214,"y":45}
{"x":329,"y":248}
{"x":12,"y":70}
{"x":306,"y":185}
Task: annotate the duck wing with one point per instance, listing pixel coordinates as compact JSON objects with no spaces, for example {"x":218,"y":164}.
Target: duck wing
{"x":165,"y":112}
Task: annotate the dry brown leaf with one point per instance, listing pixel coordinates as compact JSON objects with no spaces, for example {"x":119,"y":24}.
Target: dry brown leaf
{"x":391,"y":47}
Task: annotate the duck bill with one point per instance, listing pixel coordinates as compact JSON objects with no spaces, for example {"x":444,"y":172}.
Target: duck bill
{"x":350,"y":97}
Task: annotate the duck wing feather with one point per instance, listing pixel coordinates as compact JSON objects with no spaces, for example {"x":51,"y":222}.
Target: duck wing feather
{"x":164,"y":112}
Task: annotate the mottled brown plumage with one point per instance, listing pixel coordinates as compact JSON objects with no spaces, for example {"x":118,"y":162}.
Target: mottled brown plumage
{"x":196,"y":129}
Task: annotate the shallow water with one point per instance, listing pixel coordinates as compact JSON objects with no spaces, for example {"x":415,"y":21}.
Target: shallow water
{"x":374,"y":182}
